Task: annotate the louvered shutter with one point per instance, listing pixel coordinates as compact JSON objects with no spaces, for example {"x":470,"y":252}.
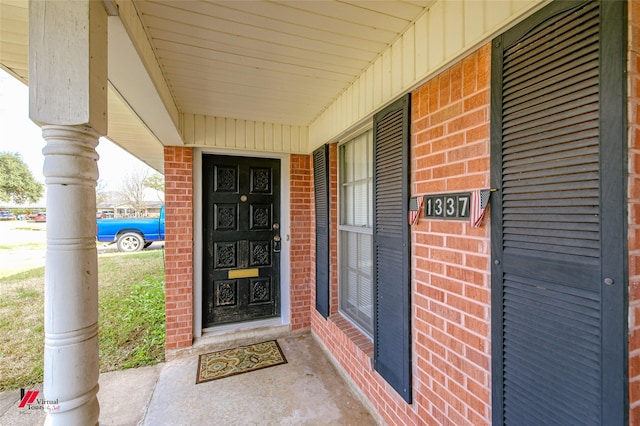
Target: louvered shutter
{"x":321,"y":194}
{"x":392,"y":322}
{"x":549,"y":221}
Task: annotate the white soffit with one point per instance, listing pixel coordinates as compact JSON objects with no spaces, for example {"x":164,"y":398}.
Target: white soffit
{"x":130,"y":80}
{"x":269,"y":61}
{"x":126,"y":129}
{"x":128,"y":132}
{"x":14,"y":38}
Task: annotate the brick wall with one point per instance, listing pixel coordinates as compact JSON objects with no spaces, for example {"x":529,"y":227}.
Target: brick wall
{"x":634,"y":211}
{"x":302,"y":258}
{"x":179,"y":244}
{"x":178,"y":173}
{"x":450,"y":152}
{"x":450,"y":264}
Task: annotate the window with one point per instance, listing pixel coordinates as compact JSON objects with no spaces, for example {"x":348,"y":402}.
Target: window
{"x":356,"y":284}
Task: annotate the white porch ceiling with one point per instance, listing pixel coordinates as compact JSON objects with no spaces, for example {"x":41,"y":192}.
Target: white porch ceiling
{"x":279,"y":62}
{"x":271,"y":61}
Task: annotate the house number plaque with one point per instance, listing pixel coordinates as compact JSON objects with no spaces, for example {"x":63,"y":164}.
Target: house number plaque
{"x":447,"y":206}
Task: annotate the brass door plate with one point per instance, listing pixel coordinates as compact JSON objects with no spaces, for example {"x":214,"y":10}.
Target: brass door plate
{"x":244,"y":273}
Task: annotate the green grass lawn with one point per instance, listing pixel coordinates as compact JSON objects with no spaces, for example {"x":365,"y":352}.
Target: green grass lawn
{"x":132,"y":320}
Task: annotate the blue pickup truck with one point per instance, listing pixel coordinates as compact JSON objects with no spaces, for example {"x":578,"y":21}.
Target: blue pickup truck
{"x":132,"y":234}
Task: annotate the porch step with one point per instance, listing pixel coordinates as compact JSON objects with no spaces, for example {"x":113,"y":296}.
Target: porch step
{"x":230,"y":336}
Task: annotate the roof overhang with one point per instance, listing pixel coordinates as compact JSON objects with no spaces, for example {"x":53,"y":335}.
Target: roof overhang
{"x":283,"y":76}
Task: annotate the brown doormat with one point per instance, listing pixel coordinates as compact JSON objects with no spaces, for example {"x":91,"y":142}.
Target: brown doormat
{"x":216,"y":365}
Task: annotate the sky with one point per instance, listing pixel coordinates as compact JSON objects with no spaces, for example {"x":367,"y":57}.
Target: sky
{"x":19,"y":134}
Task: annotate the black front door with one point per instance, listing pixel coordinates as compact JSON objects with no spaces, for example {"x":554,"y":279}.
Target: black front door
{"x":241,"y":233}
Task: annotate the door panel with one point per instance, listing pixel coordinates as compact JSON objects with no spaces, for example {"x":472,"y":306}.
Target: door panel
{"x":558,"y":165}
{"x":241,"y":216}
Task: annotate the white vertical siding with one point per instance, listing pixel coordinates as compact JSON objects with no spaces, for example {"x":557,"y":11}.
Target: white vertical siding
{"x":448,"y":30}
{"x":437,"y":34}
{"x":409,"y":59}
{"x":454,"y":42}
{"x":421,"y":33}
{"x":474,"y":19}
{"x":203,"y":131}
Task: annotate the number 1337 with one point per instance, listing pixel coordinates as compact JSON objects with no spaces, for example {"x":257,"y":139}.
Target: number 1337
{"x":447,"y":206}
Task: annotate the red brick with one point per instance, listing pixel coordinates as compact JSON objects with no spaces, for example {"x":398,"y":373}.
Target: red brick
{"x":451,"y":169}
{"x":446,"y":227}
{"x":477,"y":100}
{"x":449,"y":153}
{"x":467,"y":306}
{"x":467,"y":120}
{"x":477,"y":357}
{"x":444,"y":88}
{"x":478,"y":294}
{"x":634,"y":366}
{"x":446,"y":284}
{"x":431,"y":160}
{"x":478,"y":165}
{"x":473,"y":371}
{"x":446,"y":255}
{"x":467,"y":181}
{"x":634,"y":414}
{"x":466,"y":337}
{"x":468,"y":151}
{"x":476,"y":262}
{"x":469,"y":74}
{"x":484,"y":66}
{"x":302,"y":231}
{"x":445,"y":114}
{"x":429,"y":318}
{"x":448,"y":142}
{"x":477,"y":326}
{"x":634,"y":390}
{"x":429,"y":239}
{"x":456,"y":82}
{"x":178,"y":263}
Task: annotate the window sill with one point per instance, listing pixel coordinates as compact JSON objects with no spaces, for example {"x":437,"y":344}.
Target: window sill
{"x":361,"y":340}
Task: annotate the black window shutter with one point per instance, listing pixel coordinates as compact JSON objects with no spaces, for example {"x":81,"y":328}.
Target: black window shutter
{"x":558,"y":218}
{"x":321,"y":191}
{"x":392,"y":322}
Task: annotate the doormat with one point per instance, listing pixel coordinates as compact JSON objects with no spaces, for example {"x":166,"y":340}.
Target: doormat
{"x":216,"y":365}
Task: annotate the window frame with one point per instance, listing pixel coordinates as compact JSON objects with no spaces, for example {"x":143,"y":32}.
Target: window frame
{"x":352,"y":228}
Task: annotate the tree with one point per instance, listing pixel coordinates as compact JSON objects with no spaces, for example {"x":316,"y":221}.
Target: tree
{"x":132,"y":189}
{"x":102,"y":194}
{"x":17,"y":184}
{"x":156,"y":182}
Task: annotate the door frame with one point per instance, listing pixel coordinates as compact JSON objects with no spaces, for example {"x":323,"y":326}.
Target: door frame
{"x":285,"y":299}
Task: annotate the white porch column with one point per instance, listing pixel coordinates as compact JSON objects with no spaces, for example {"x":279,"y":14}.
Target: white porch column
{"x":68,"y":98}
{"x":71,"y":363}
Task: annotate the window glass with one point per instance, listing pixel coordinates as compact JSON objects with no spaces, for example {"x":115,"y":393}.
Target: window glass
{"x":356,"y":284}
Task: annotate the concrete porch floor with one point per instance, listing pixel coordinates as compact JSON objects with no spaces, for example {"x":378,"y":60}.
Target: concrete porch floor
{"x":308,"y":390}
